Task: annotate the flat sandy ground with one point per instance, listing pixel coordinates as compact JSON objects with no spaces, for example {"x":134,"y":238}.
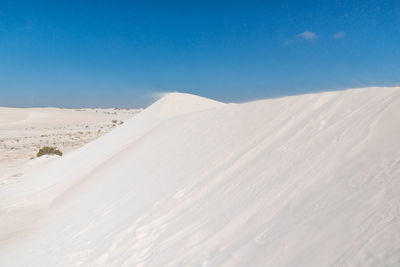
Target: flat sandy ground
{"x":23,"y":131}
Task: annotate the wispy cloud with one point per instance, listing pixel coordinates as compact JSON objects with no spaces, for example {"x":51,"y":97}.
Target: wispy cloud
{"x":309,"y":36}
{"x":339,"y":35}
{"x":287,"y":42}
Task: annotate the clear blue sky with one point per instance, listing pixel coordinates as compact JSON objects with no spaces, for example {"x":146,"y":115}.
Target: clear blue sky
{"x":121,"y":53}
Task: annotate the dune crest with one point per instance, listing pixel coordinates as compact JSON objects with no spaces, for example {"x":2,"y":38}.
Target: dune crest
{"x":174,"y":104}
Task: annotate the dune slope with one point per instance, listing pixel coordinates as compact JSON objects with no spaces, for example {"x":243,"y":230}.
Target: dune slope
{"x":310,"y":180}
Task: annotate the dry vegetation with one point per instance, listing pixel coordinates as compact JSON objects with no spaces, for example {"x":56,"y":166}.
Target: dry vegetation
{"x":47,"y":150}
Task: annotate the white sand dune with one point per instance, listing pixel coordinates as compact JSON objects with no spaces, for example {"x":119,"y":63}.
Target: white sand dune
{"x":310,"y":180}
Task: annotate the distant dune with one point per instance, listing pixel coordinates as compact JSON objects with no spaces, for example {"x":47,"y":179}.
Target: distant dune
{"x":309,"y":180}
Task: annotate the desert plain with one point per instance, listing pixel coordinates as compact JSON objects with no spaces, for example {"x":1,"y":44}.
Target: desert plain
{"x":23,"y":131}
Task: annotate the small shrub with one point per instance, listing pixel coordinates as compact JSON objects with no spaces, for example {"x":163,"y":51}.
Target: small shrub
{"x":49,"y":151}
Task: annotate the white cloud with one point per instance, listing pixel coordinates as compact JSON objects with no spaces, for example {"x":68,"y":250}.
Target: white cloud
{"x":339,"y":35}
{"x":309,"y":36}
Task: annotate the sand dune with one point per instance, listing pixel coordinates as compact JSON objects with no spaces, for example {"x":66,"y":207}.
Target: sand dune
{"x":310,"y":180}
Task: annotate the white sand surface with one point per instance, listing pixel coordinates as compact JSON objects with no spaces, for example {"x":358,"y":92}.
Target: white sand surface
{"x":23,"y":131}
{"x":309,"y":180}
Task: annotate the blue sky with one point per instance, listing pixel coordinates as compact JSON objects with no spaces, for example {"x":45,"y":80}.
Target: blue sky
{"x":123,"y":53}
